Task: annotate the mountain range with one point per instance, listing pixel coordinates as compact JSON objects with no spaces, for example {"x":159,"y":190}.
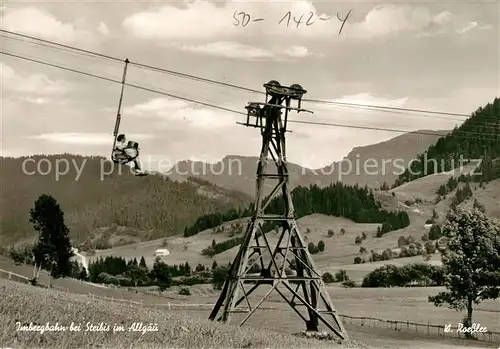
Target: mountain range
{"x":389,"y":159}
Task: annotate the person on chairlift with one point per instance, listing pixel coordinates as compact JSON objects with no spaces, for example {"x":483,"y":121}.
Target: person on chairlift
{"x":129,"y":151}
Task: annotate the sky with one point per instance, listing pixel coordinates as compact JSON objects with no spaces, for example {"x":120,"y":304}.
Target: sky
{"x":441,"y":56}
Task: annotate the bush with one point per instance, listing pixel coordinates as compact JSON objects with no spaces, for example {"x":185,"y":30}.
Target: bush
{"x":255,"y":266}
{"x":194,"y":280}
{"x":341,"y":275}
{"x":425,"y":237}
{"x":357,"y":260}
{"x":430,"y":248}
{"x":327,"y":278}
{"x":184,"y":291}
{"x":390,"y":275}
{"x":387,"y":254}
{"x":321,"y":246}
{"x":401,"y":241}
{"x":312,"y":248}
{"x":330,"y":233}
{"x":435,"y":232}
{"x":349,"y":283}
{"x":358,"y":240}
{"x":363,"y":236}
{"x":219,"y":275}
{"x":362,"y":250}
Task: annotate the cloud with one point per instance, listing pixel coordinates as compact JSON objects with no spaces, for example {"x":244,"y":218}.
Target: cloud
{"x":235,"y":50}
{"x":297,"y":51}
{"x":368,"y":99}
{"x":103,"y":28}
{"x":229,"y":50}
{"x":202,"y":20}
{"x":179,"y":113}
{"x":156,"y":107}
{"x":391,"y":20}
{"x":36,"y":84}
{"x":14,"y":152}
{"x":468,"y":27}
{"x":199,"y":19}
{"x":37,"y":100}
{"x":38,"y":22}
{"x":356,"y":116}
{"x":84,"y":138}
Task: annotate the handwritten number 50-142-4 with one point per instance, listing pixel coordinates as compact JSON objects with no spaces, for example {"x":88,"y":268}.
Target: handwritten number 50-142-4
{"x":245,"y":19}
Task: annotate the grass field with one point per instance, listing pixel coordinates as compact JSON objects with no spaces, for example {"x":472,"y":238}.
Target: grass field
{"x":191,"y":329}
{"x":402,"y":304}
{"x":25,"y":304}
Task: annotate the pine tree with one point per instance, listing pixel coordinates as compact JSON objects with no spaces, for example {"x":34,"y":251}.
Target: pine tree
{"x":142,"y":263}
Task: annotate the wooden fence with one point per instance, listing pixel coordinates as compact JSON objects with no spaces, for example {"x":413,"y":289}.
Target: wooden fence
{"x":430,"y":330}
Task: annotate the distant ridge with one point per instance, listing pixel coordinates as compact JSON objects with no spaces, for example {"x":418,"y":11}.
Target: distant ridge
{"x":238,"y":172}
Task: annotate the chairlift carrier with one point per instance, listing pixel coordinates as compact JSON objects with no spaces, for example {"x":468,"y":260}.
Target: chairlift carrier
{"x":117,"y":156}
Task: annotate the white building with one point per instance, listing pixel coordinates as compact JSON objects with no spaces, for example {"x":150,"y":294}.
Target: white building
{"x":162,"y":252}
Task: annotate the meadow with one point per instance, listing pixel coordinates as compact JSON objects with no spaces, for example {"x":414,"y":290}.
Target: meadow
{"x":179,"y":328}
{"x":25,"y":304}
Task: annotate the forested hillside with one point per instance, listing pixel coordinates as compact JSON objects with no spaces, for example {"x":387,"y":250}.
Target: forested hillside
{"x":153,"y":206}
{"x":477,"y":138}
{"x":353,"y":202}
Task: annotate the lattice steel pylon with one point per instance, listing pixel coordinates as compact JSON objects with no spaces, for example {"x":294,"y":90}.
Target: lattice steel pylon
{"x":289,"y":264}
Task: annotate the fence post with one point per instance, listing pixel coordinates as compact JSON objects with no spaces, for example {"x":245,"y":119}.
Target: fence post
{"x":168,"y":305}
{"x":10,"y":275}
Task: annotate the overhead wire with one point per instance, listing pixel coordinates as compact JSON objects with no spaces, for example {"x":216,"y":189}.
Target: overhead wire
{"x":461,"y":134}
{"x":42,"y":43}
{"x":382,"y":107}
{"x":221,"y":83}
{"x":65,"y":48}
{"x":118,"y":81}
